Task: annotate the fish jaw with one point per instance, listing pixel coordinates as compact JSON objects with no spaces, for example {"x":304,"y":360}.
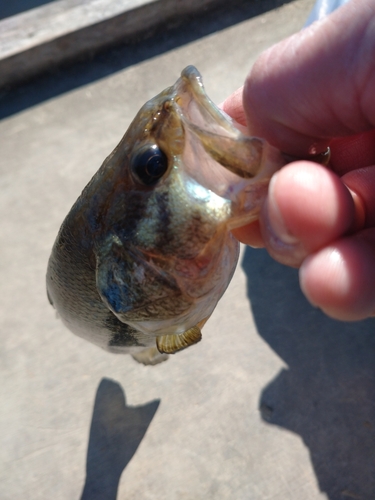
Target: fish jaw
{"x":218,"y":156}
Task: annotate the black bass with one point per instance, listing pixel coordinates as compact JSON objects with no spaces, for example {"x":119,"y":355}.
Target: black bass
{"x":146,"y":252}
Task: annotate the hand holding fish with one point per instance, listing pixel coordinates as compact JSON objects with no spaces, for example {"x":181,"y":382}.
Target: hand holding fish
{"x":313,"y":90}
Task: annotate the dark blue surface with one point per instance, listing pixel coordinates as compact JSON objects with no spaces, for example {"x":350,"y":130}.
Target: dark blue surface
{"x":12,"y":7}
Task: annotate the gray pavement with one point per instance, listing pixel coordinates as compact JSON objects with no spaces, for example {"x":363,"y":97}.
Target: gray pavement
{"x":276,"y":402}
{"x":64,"y":31}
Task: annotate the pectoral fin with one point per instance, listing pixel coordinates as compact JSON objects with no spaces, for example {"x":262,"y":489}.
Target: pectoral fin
{"x":149,"y":356}
{"x":170,"y":344}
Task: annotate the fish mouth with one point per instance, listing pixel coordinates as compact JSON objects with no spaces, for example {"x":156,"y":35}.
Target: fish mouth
{"x":218,"y":155}
{"x":197,"y":110}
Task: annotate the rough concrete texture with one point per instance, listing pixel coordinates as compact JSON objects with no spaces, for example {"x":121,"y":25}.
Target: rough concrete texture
{"x":276,"y":402}
{"x":67,"y":30}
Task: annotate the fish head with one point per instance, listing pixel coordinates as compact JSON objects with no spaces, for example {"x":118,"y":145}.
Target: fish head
{"x":184,"y":173}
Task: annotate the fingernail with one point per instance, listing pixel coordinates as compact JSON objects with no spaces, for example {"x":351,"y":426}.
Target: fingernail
{"x":275,"y":221}
{"x":281,"y":244}
{"x":302,"y":283}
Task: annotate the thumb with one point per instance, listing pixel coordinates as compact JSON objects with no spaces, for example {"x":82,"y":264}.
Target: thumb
{"x":317,"y":84}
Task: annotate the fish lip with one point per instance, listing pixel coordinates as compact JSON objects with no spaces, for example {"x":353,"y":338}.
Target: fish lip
{"x":189,"y":89}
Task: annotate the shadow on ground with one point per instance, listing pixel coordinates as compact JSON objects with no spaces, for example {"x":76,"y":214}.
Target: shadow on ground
{"x":115,"y":434}
{"x":327,"y":393}
{"x":147,"y":46}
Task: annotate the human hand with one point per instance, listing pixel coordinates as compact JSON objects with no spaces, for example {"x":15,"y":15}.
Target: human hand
{"x":315,"y":89}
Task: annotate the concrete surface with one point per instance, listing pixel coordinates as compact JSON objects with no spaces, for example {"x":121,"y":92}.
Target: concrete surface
{"x":66,"y":30}
{"x":276,"y":402}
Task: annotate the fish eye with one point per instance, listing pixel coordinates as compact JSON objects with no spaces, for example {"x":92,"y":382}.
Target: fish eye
{"x":150,"y":165}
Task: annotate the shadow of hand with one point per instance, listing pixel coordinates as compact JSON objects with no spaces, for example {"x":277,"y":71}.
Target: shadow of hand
{"x":115,"y":434}
{"x":326,"y":395}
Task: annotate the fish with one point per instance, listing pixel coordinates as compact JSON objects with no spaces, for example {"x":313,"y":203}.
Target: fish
{"x":146,"y":252}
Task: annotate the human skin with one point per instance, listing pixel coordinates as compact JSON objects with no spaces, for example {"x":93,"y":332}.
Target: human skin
{"x":314,"y":89}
